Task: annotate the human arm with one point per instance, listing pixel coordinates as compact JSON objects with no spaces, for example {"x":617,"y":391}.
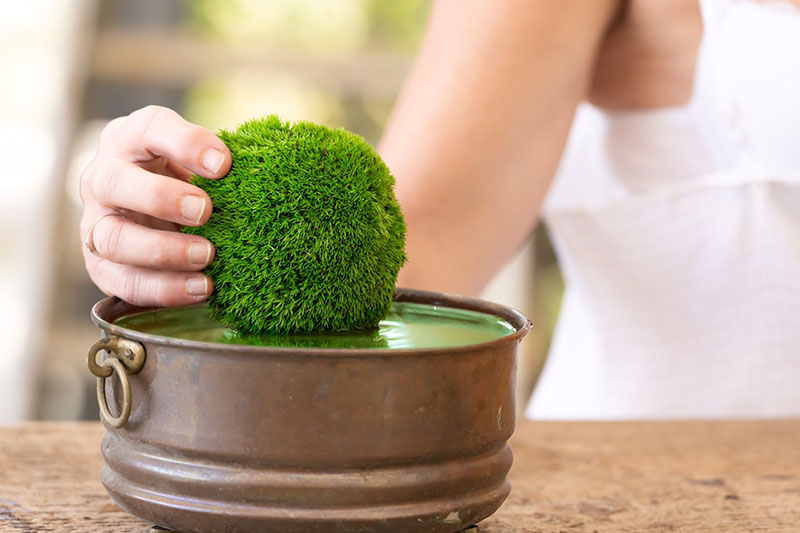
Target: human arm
{"x":478,"y":130}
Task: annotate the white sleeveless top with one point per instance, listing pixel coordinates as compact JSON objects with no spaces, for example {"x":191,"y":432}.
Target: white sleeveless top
{"x":678,"y":233}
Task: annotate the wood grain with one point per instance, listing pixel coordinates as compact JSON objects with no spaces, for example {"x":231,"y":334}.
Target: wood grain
{"x":567,"y":477}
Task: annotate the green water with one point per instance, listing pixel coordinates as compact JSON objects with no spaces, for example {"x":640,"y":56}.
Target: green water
{"x":408,"y":325}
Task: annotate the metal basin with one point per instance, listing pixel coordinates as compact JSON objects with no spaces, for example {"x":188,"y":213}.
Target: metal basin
{"x":235,"y":438}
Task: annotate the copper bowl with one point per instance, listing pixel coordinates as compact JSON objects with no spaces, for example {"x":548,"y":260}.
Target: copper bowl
{"x":251,"y":438}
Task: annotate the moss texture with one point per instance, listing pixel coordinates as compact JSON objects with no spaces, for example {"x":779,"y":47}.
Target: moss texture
{"x":308,"y":233}
{"x":365,"y":339}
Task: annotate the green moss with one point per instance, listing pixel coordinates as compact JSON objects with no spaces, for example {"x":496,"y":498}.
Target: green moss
{"x":363,"y":338}
{"x":308,"y":233}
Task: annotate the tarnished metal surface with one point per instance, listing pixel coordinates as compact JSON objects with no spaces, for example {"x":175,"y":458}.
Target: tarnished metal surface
{"x":248,"y":438}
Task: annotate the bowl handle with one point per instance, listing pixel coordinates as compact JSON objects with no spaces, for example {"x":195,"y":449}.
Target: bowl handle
{"x":124,"y":357}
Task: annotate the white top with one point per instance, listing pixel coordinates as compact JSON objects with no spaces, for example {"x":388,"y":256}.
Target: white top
{"x":678,"y":232}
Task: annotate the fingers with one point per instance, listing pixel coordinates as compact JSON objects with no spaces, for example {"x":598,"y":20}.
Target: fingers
{"x":115,"y":183}
{"x":120,"y":240}
{"x":137,"y":158}
{"x":146,"y":287}
{"x":155,"y":131}
{"x":145,"y":266}
{"x":165,"y":167}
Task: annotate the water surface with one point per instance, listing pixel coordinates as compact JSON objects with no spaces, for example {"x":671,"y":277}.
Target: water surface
{"x":408,"y":325}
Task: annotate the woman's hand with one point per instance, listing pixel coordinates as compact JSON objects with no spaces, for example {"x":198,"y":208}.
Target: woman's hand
{"x":140,"y":176}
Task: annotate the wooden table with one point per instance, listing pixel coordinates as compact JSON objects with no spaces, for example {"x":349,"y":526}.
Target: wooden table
{"x":567,"y":477}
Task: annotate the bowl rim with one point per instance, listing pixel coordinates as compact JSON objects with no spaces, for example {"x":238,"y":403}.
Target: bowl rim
{"x":107,"y":310}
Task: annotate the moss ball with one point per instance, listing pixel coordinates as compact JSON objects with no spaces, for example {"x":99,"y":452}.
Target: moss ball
{"x":308,"y":233}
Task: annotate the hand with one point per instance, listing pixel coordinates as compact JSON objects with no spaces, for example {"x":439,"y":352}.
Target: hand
{"x":142,"y":172}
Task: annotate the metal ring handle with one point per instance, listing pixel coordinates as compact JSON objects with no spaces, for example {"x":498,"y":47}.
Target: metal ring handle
{"x":91,"y":359}
{"x":126,"y":357}
{"x":130,"y":353}
{"x":113,"y":365}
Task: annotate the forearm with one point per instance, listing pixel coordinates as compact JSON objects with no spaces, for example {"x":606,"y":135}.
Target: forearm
{"x":479,"y":128}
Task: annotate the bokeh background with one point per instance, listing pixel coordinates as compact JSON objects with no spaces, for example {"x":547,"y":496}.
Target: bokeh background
{"x":67,"y":68}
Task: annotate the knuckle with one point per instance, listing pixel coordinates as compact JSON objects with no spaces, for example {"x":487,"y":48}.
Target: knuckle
{"x":149,"y":116}
{"x":160,"y":255}
{"x":84,"y":181}
{"x":111,"y":240}
{"x":136,"y":288}
{"x":131,"y":288}
{"x":104,"y":179}
{"x":100,"y":276}
{"x":103,"y":286}
{"x":83,"y":227}
{"x":148,"y":111}
{"x":111,"y":131}
{"x":145,"y":114}
{"x":197,"y":136}
{"x":91,"y":270}
{"x":146,"y":118}
{"x":163,"y":199}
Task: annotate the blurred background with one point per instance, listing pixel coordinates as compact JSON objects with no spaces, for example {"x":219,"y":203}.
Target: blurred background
{"x":67,"y":68}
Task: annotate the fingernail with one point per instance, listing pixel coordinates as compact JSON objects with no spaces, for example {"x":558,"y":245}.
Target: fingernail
{"x":197,"y":286}
{"x":193,"y":207}
{"x":199,"y":253}
{"x":213,"y":159}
